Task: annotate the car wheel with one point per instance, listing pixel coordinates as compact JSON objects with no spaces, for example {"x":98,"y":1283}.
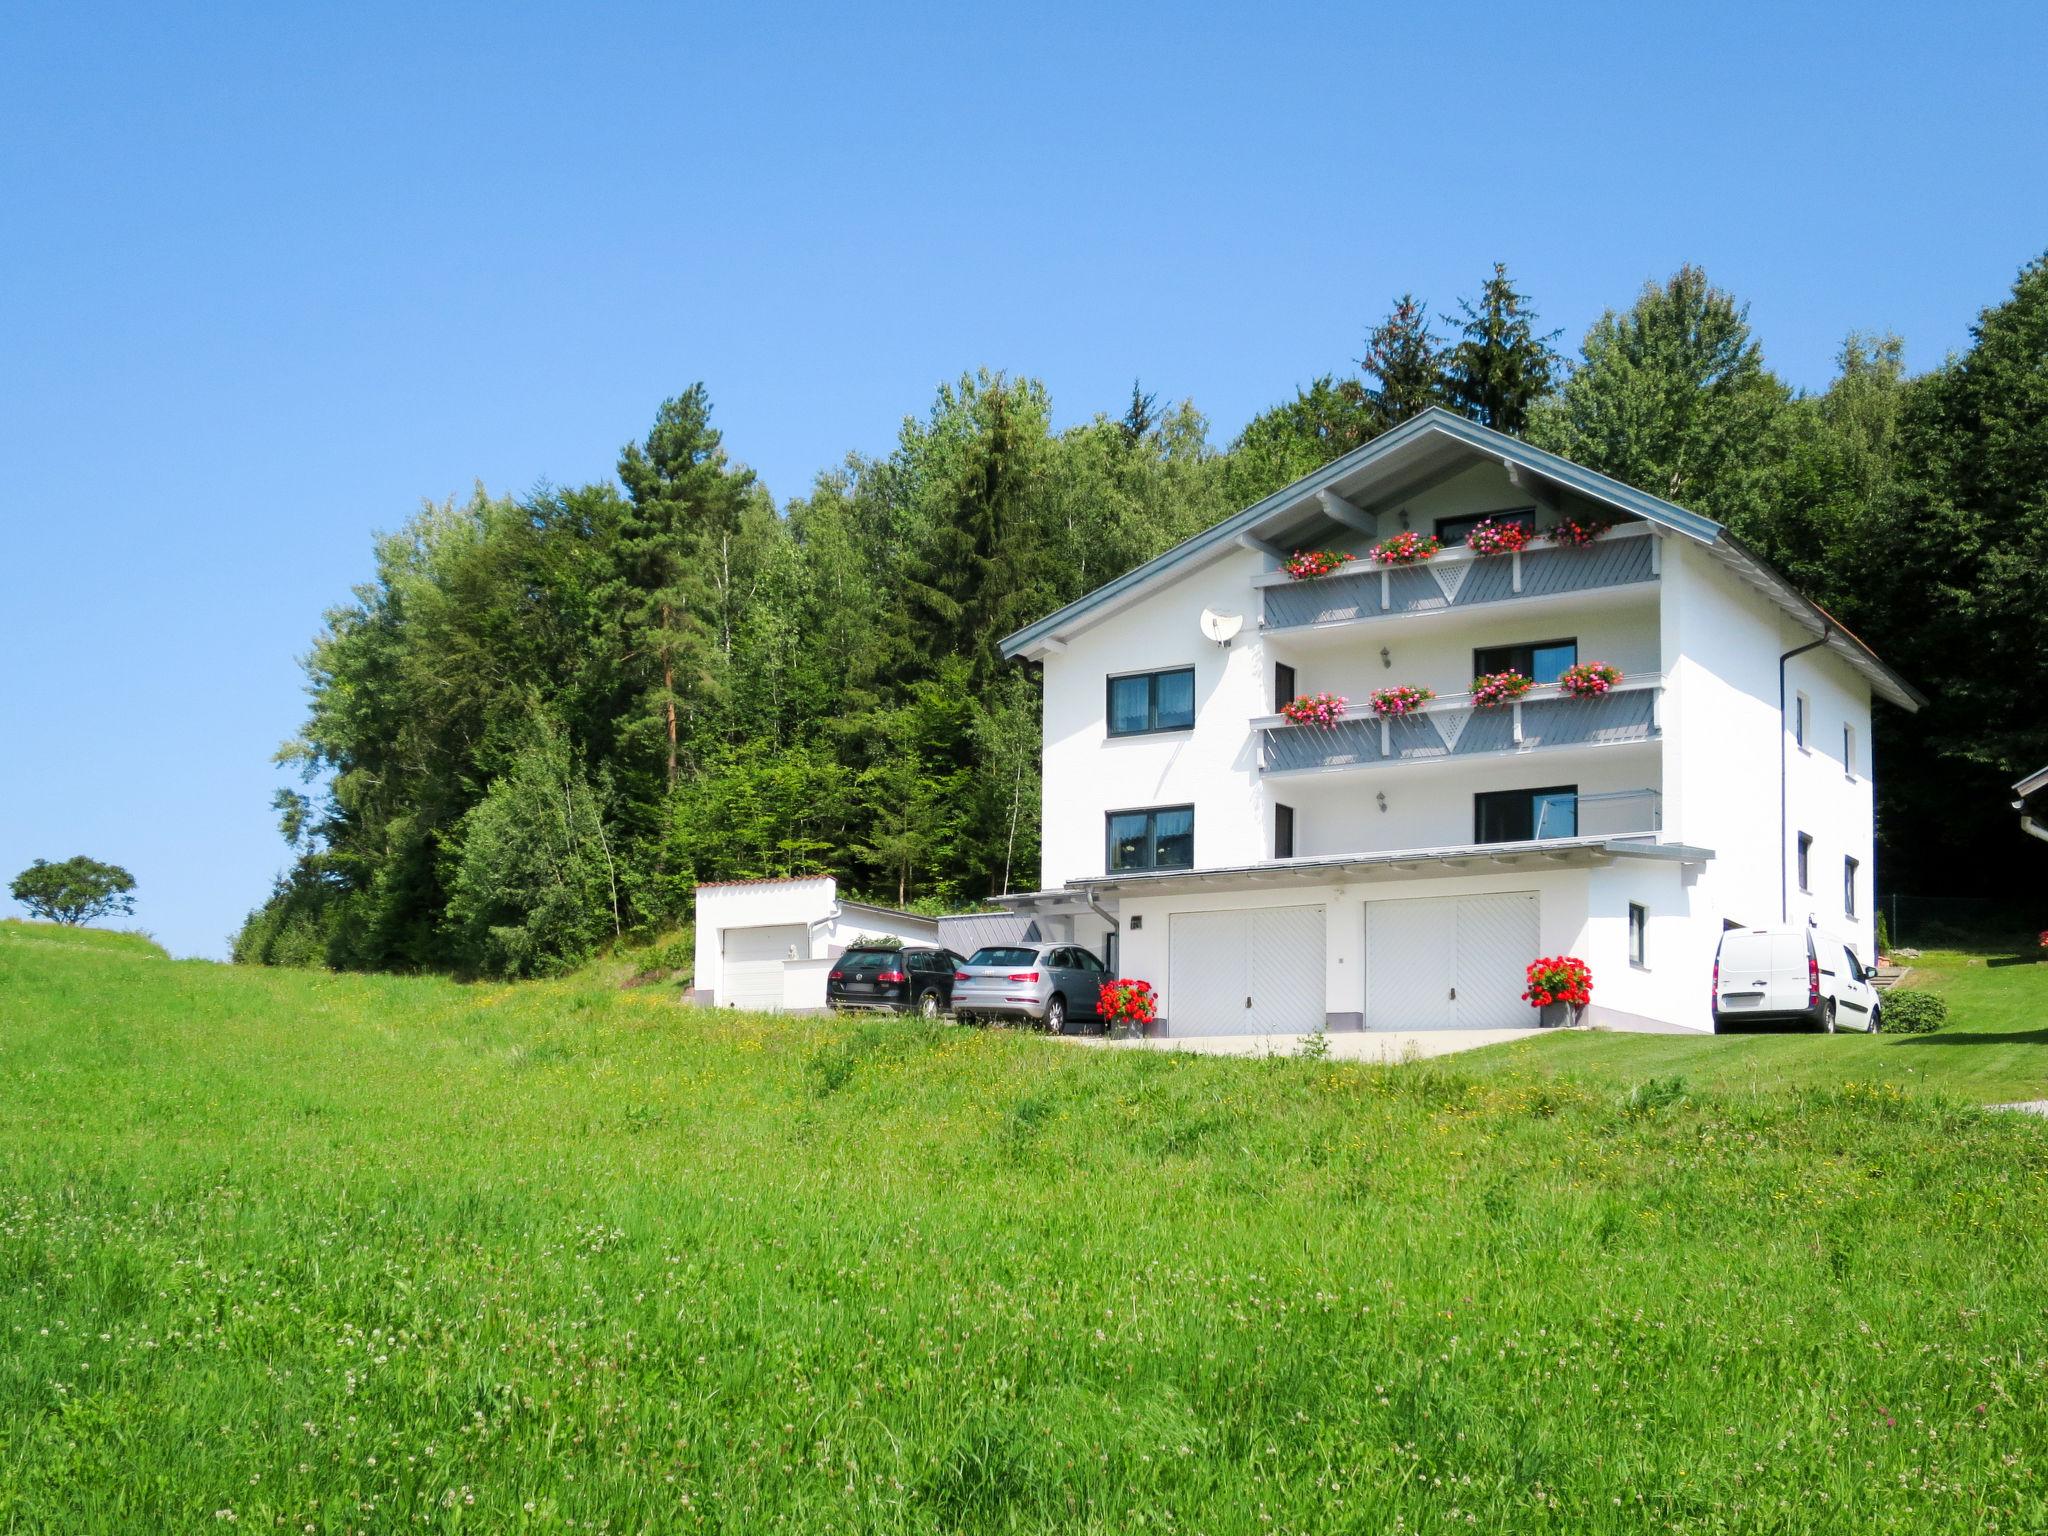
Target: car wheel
{"x":928,"y":1006}
{"x":1056,"y":1016}
{"x":1827,"y":1017}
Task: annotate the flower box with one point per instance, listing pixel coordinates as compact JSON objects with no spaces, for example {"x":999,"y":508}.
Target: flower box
{"x":1588,"y":679}
{"x":1305,"y":564}
{"x":1578,"y":532}
{"x":1410,"y":548}
{"x":1323,"y":709}
{"x":1497,"y":688}
{"x":1128,"y":1004}
{"x":1559,"y":986}
{"x":1492,"y":538}
{"x":1404,"y":700}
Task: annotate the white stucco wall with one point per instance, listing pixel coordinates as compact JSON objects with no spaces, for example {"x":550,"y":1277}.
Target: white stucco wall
{"x":1723,"y":738}
{"x":1088,"y":773}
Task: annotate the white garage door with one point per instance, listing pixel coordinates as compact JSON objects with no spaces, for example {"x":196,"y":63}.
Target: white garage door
{"x":1252,"y":972}
{"x":753,"y":963}
{"x":1449,"y":962}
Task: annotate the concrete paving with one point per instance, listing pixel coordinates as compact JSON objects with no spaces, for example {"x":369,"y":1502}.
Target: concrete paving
{"x":2025,"y":1106}
{"x":1345,"y":1045}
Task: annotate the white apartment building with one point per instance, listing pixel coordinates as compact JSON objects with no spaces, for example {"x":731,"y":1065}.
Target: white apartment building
{"x":1400,"y":873}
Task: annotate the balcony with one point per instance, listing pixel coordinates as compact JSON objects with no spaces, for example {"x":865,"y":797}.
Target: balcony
{"x":1453,"y":729}
{"x":1457,"y":580}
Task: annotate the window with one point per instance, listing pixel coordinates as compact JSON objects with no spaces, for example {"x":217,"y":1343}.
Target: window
{"x":1544,"y":660}
{"x":1084,"y":961}
{"x":1152,"y":701}
{"x":1518,"y":815}
{"x":1455,"y":530}
{"x":1856,"y":971}
{"x":1849,"y":750}
{"x":1805,"y":849}
{"x":1003,"y":954}
{"x":1161,"y":839}
{"x":1283,"y":831}
{"x":1283,"y":686}
{"x":1799,"y":721}
{"x":1638,"y":933}
{"x":1849,"y":887}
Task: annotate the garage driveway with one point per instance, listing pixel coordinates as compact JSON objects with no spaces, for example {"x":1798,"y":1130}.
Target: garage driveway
{"x":1346,"y":1045}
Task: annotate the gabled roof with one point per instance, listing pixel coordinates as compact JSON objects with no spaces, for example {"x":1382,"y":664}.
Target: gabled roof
{"x":1400,"y":463}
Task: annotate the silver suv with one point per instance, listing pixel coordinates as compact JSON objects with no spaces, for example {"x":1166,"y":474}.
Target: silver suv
{"x":1049,"y":984}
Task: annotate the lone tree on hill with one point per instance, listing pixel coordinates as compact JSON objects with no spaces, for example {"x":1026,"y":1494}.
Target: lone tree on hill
{"x":75,"y":891}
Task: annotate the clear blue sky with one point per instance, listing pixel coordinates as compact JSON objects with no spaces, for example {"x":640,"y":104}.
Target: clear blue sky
{"x":269,"y":275}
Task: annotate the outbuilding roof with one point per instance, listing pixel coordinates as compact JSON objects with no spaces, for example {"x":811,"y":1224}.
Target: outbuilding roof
{"x":1425,"y":451}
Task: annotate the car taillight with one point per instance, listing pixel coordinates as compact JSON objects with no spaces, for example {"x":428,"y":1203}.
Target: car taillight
{"x":1714,"y":992}
{"x":1812,"y":979}
{"x":892,"y":976}
{"x":960,"y":976}
{"x":837,"y":976}
{"x":1023,"y":975}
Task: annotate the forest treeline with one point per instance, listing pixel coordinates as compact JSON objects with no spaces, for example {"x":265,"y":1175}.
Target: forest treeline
{"x":546,"y":718}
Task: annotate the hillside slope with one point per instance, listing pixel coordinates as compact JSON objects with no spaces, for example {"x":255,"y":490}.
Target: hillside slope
{"x":365,"y":1252}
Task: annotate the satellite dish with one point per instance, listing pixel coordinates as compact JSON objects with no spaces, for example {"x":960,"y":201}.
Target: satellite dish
{"x":1221,"y":627}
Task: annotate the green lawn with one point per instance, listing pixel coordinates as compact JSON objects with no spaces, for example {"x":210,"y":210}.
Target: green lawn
{"x":296,"y":1251}
{"x":1994,"y":1050}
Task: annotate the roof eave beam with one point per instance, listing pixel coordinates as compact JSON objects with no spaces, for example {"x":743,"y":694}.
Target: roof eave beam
{"x":1263,"y":546}
{"x":1339,"y":510}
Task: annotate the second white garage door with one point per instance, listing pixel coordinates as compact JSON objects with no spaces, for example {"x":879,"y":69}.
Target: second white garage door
{"x":753,"y":963}
{"x":1449,"y":962}
{"x":1257,"y":971}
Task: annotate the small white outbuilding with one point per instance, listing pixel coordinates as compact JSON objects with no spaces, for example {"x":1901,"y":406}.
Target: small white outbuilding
{"x":767,"y":944}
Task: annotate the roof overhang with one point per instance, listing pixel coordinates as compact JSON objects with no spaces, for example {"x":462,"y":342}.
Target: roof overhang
{"x":1350,"y":493}
{"x":1343,"y":868}
{"x":2029,"y":787}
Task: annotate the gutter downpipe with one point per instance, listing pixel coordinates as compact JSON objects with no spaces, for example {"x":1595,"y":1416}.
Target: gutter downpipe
{"x":1115,"y":924}
{"x":1784,"y":815}
{"x":2033,"y":828}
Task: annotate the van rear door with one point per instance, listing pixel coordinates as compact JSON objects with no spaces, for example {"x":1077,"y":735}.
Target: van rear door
{"x":1763,"y":970}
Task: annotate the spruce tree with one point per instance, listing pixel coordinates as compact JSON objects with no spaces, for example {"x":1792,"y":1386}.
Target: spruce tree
{"x":685,"y":498}
{"x":1499,"y":368}
{"x":1407,"y":360}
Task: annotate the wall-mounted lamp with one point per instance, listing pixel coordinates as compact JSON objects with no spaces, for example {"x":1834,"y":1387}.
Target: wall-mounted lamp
{"x":1386,"y":657}
{"x":1382,"y":798}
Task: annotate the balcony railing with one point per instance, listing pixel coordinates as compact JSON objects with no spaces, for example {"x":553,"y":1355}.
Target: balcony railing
{"x":1458,"y":579}
{"x":1453,"y":729}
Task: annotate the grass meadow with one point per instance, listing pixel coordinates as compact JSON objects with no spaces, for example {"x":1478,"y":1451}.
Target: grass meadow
{"x":292,"y":1251}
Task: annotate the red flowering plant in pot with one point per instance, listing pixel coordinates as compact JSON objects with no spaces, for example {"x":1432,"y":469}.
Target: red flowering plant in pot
{"x":1306,"y":563}
{"x":1578,"y":532}
{"x":1128,"y":1004}
{"x":1404,"y":700}
{"x":1492,"y":538}
{"x":1324,"y":709}
{"x":1559,"y":986}
{"x":1588,"y":679}
{"x":1496,"y":688}
{"x":1410,"y":548}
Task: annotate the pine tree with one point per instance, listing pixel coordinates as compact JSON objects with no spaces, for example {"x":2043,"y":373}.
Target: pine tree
{"x":1500,"y":367}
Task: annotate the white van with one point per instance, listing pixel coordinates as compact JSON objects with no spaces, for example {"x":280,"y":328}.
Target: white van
{"x":1792,"y":975}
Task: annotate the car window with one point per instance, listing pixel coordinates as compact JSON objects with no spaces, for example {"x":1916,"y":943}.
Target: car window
{"x":1058,"y":959}
{"x":863,"y":962}
{"x":1004,"y":954}
{"x":1087,"y":961}
{"x":1855,"y":965}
